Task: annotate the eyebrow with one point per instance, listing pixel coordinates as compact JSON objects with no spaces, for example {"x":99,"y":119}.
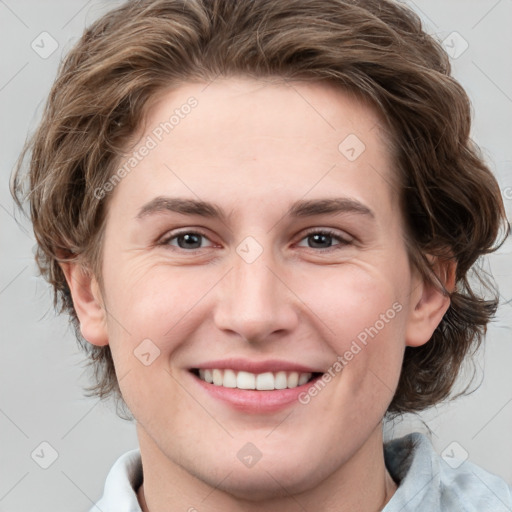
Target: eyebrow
{"x":301,"y":208}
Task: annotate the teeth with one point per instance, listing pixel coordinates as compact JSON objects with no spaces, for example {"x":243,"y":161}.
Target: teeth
{"x":280,"y":380}
{"x":293,"y":379}
{"x":230,"y":380}
{"x":263,"y":381}
{"x":303,"y":379}
{"x":245,"y":380}
{"x":218,"y":377}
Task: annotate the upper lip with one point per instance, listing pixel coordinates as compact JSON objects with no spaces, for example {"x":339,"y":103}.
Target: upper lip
{"x":268,"y":365}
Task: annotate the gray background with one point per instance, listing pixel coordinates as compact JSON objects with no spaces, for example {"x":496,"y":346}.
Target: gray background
{"x":42,"y":370}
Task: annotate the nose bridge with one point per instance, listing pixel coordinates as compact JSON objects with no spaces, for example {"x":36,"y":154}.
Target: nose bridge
{"x":254,"y":302}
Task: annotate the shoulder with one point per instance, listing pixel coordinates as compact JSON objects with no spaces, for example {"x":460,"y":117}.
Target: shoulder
{"x":427,"y":482}
{"x":123,"y":480}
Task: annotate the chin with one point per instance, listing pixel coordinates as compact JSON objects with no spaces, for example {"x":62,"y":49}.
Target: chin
{"x":265,"y":480}
{"x":260,"y":485}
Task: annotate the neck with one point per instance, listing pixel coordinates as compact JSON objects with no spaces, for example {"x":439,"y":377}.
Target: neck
{"x":361,"y":483}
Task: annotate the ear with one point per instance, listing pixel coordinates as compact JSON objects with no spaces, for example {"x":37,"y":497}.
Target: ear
{"x":429,"y":304}
{"x":88,"y":302}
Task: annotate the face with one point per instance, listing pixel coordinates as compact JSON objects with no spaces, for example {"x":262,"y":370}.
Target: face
{"x":257,"y":242}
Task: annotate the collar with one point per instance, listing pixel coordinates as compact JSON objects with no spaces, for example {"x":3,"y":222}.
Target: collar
{"x":425,"y":481}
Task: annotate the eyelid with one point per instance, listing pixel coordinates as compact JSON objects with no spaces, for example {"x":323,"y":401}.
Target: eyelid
{"x":344,"y":238}
{"x":165,"y":239}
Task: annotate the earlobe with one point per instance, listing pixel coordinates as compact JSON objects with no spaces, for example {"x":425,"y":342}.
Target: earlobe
{"x":429,"y":304}
{"x":88,"y":303}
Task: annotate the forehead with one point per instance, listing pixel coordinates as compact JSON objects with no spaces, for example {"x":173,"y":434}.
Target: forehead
{"x":253,"y":137}
{"x":271,"y":108}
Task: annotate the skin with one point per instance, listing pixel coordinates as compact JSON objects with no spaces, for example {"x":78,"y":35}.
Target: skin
{"x":253,"y":148}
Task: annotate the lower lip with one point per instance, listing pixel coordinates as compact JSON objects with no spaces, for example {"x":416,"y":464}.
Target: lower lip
{"x":251,"y":401}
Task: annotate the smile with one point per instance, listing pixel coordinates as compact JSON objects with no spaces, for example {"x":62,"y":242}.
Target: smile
{"x":252,"y":386}
{"x":266,"y":381}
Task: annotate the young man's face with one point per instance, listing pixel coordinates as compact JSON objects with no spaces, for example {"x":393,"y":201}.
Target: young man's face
{"x":304,"y":271}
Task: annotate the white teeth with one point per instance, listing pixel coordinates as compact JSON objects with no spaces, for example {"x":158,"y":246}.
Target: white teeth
{"x":218,"y":377}
{"x":303,"y":378}
{"x":263,"y":381}
{"x":280,"y":381}
{"x":293,"y":379}
{"x":245,"y":380}
{"x":230,"y":380}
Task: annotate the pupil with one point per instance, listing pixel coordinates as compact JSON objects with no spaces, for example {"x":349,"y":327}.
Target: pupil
{"x":189,"y":241}
{"x":320,"y":239}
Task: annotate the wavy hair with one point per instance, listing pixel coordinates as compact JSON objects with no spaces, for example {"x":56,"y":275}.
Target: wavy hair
{"x":376,"y":49}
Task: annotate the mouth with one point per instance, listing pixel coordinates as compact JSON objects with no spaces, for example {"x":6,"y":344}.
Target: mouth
{"x":252,"y":386}
{"x":265,"y":381}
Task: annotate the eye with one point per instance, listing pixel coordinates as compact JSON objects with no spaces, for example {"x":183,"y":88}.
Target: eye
{"x":324,"y":239}
{"x":187,"y":240}
{"x":318,"y":239}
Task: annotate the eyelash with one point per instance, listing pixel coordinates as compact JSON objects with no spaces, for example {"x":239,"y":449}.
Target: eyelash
{"x":326,"y":232}
{"x":332,"y":234}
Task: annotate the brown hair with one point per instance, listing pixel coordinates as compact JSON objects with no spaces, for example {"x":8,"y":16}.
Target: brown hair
{"x":376,"y":48}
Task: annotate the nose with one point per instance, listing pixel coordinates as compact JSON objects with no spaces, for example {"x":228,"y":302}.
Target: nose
{"x":254,"y":300}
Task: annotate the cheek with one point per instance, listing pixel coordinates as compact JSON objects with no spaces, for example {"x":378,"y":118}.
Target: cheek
{"x":151,"y":300}
{"x":357,"y":301}
{"x":153,"y":310}
{"x":362,"y":316}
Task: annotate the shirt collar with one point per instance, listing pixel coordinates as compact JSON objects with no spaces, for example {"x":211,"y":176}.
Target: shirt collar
{"x":425,"y":482}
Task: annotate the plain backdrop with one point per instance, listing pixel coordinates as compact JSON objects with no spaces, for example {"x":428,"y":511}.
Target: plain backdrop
{"x":42,"y":371}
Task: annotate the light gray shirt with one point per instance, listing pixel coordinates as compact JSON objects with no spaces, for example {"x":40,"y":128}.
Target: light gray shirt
{"x":426,"y":482}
